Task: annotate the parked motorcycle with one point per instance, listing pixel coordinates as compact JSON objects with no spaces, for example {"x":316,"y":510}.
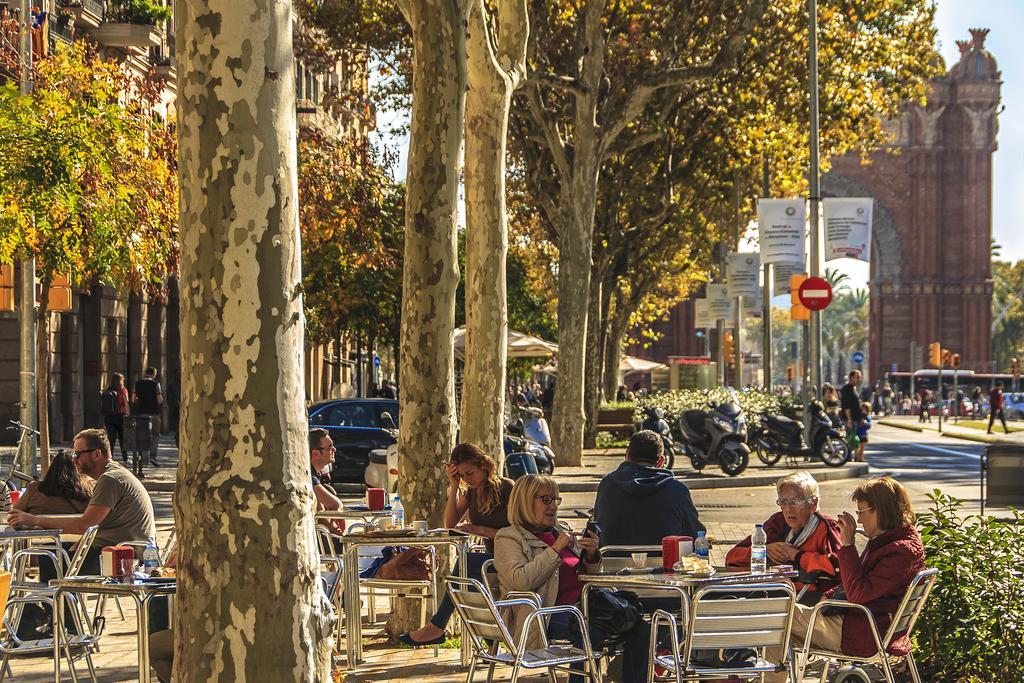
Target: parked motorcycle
{"x":716,"y":436}
{"x":654,"y":420}
{"x":779,"y":436}
{"x":516,"y":441}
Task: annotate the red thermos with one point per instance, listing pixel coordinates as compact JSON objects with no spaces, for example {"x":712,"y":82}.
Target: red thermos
{"x":670,"y":549}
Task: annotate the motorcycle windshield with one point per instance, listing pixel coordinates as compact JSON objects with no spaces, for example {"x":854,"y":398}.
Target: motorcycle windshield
{"x":730,"y":410}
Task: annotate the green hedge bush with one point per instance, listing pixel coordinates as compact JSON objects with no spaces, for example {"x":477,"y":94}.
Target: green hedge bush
{"x":756,"y":403}
{"x":972,"y":628}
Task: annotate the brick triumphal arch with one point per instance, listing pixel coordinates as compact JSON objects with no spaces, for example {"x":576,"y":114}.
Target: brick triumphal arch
{"x":931,"y":263}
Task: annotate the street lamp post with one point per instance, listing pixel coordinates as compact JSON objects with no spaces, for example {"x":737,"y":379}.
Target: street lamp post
{"x":814,"y":173}
{"x":27,"y":299}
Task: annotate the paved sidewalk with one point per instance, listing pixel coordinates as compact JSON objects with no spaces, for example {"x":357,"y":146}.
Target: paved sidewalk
{"x":953,"y":430}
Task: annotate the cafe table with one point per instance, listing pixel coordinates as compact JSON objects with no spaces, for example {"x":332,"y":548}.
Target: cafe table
{"x":12,"y":540}
{"x":681,"y":584}
{"x":141,"y":591}
{"x":350,"y":545}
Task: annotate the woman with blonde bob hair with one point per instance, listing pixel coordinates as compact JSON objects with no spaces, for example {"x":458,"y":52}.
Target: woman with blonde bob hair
{"x":877,"y":578}
{"x":542,"y":555}
{"x":478,"y":499}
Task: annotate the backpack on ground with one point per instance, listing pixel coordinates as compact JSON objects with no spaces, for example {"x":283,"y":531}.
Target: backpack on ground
{"x":109,"y":403}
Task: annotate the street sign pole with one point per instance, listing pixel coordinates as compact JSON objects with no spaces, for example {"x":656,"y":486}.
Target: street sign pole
{"x":766,"y":190}
{"x":815,"y":192}
{"x":738,"y":318}
{"x":27,"y":299}
{"x":913,"y":367}
{"x":938,"y":390}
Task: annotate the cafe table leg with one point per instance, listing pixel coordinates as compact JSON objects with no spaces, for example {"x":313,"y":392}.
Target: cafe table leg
{"x":353,"y":622}
{"x":463,"y":550}
{"x":142,"y":605}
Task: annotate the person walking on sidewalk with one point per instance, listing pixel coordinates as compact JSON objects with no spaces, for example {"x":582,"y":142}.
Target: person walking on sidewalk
{"x":114,"y":406}
{"x":850,"y":402}
{"x":926,"y":405}
{"x":995,"y":400}
{"x":148,"y":397}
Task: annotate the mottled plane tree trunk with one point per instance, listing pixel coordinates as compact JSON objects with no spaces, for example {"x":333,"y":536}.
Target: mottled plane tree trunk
{"x":497,"y":66}
{"x":430,"y":272}
{"x":250,"y":606}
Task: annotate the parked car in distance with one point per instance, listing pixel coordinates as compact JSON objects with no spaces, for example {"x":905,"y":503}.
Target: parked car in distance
{"x":357,"y":426}
{"x":1013,"y":406}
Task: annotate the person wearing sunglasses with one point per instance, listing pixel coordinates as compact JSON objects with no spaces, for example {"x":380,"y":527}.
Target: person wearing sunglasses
{"x":799,"y":535}
{"x":540,"y":554}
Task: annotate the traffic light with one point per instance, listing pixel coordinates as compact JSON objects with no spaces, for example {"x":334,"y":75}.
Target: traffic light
{"x":935,"y":354}
{"x":728,"y":349}
{"x":946,"y":357}
{"x":799,"y":312}
{"x":789,"y":373}
{"x":954,"y":360}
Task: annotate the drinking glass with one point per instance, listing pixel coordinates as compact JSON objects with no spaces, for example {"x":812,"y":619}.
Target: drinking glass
{"x":127,"y":569}
{"x":639,"y":560}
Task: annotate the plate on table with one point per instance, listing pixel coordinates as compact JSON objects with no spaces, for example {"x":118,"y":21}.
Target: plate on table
{"x":384,"y":533}
{"x":637,"y":570}
{"x":364,"y":508}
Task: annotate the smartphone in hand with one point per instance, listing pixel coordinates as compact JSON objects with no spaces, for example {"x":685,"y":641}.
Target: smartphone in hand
{"x":593,"y":528}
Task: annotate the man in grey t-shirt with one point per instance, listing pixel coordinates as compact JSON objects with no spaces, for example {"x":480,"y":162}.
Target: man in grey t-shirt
{"x":120,"y":504}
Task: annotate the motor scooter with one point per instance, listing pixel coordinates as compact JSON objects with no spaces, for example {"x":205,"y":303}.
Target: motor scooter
{"x":716,"y":436}
{"x":779,"y":436}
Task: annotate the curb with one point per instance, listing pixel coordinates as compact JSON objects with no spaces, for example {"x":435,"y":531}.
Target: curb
{"x":848,"y":471}
{"x":965,"y":436}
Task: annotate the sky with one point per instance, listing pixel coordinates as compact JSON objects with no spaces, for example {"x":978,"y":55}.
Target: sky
{"x":954,"y":18}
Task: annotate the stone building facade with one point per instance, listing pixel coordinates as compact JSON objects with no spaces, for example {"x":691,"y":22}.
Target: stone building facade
{"x":103,"y":332}
{"x":931,"y":262}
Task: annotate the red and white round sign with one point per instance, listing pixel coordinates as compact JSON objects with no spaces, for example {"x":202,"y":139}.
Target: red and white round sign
{"x":815,"y":293}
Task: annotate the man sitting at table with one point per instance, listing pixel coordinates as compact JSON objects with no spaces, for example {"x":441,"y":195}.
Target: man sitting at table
{"x":640,"y":503}
{"x":798,"y":535}
{"x":321,"y":459}
{"x":120,"y":506}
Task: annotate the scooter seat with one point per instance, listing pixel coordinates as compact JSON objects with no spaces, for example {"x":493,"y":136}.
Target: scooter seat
{"x":695,"y":420}
{"x":783,"y":424}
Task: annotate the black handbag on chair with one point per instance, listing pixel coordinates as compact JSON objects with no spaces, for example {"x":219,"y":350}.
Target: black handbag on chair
{"x":614,"y":613}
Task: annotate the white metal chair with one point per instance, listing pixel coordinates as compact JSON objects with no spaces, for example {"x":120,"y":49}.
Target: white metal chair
{"x":494,"y":645}
{"x":903,"y":622}
{"x":727,"y":617}
{"x":75,"y":645}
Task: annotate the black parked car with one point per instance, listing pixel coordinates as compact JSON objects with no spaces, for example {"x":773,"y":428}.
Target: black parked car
{"x":357,"y":426}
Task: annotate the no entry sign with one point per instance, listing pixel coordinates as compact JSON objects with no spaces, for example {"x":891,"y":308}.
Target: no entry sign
{"x":815,"y":293}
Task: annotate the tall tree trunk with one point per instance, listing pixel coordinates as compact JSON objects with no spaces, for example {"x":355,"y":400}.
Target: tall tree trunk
{"x":488,"y":100}
{"x":595,"y":361}
{"x":43,"y":373}
{"x":250,"y":605}
{"x":613,"y":334}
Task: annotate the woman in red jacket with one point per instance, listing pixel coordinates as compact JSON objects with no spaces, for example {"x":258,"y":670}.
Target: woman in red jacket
{"x":877,"y":578}
{"x":798,"y":535}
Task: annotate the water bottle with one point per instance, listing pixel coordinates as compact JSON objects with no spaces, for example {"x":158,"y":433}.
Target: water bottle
{"x":758,"y":551}
{"x":701,"y":547}
{"x":397,"y":513}
{"x":150,"y":558}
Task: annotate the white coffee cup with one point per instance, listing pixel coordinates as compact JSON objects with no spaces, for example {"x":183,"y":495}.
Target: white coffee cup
{"x":420,"y":526}
{"x":639,"y":560}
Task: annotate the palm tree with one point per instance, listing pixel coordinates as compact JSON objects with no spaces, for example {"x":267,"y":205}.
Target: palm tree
{"x":837,"y":280}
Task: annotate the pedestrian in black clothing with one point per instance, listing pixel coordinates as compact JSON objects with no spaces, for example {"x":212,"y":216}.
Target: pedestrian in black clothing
{"x":148,"y":398}
{"x":850,"y":401}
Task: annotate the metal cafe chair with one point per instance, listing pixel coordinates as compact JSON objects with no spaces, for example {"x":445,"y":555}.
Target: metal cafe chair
{"x":903,"y":622}
{"x":727,"y":617}
{"x":494,"y":645}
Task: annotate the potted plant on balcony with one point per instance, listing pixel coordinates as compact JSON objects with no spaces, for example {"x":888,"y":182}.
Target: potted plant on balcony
{"x":131,"y":23}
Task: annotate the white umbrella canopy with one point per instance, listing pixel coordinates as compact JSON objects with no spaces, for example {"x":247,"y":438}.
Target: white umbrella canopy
{"x":633,"y":364}
{"x":520,"y":345}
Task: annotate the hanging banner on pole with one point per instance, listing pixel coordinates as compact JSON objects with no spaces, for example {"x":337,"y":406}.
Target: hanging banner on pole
{"x":720,"y":306}
{"x":781,"y":274}
{"x":753,"y":306}
{"x":781,"y":230}
{"x":743,"y":271}
{"x":848,"y":228}
{"x":702,"y":319}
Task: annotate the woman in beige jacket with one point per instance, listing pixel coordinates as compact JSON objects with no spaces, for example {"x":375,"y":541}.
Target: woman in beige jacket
{"x":542,"y":555}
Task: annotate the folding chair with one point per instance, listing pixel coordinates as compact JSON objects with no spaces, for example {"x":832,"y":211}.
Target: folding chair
{"x":728,"y":617}
{"x":903,"y":622}
{"x":483,"y":624}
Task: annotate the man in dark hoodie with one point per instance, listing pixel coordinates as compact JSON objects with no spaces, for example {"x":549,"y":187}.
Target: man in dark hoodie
{"x":640,"y":503}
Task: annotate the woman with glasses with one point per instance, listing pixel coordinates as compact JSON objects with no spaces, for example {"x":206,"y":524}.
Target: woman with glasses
{"x":540,"y":554}
{"x":877,"y":578}
{"x":798,"y":535}
{"x":477,"y":504}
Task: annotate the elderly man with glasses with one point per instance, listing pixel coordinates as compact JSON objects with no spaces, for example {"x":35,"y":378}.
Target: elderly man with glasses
{"x":799,"y":535}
